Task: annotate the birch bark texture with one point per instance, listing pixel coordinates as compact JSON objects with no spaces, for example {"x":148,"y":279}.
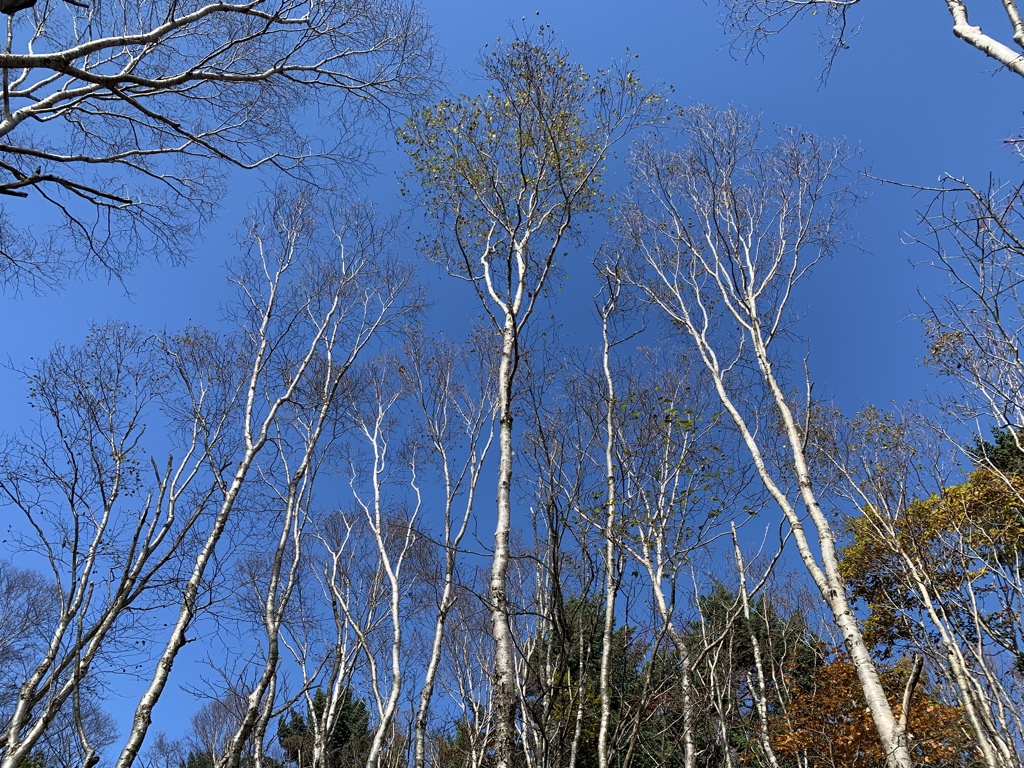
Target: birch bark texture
{"x":503,"y":177}
{"x":723,"y":229}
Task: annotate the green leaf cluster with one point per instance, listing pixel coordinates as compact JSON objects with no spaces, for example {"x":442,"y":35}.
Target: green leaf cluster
{"x":347,"y":743}
{"x":505,"y":171}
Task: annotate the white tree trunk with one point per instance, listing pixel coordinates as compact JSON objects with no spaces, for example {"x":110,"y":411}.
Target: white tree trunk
{"x":504,"y":688}
{"x":759,"y":688}
{"x":732,"y":226}
{"x":610,"y":548}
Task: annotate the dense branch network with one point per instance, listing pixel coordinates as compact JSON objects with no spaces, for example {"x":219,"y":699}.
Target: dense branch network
{"x":127,"y":117}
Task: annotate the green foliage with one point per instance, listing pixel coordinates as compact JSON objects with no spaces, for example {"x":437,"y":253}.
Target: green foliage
{"x":784,"y":641}
{"x":725,"y":670}
{"x":646,"y":685}
{"x":205,"y":760}
{"x":1003,"y":455}
{"x":555,"y":686}
{"x":347,"y":743}
{"x":504,"y":172}
{"x":198,"y":760}
{"x":34,"y":760}
{"x":455,"y":750}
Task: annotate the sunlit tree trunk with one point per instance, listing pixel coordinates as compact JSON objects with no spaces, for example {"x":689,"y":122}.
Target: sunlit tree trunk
{"x":726,"y":230}
{"x":505,"y":689}
{"x":759,"y":688}
{"x":611,"y":558}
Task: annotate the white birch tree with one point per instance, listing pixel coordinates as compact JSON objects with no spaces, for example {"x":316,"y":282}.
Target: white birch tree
{"x":391,"y":525}
{"x":673,"y":500}
{"x":504,"y":176}
{"x":724,"y":229}
{"x":306,"y":310}
{"x":127,"y":535}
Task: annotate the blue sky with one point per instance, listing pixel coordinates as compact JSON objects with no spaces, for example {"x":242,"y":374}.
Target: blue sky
{"x":916,"y":101}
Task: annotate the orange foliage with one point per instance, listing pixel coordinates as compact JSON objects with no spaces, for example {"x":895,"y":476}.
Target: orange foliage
{"x":829,"y":724}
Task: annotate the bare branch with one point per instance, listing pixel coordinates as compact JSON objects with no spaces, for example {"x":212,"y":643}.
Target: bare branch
{"x":129,"y":119}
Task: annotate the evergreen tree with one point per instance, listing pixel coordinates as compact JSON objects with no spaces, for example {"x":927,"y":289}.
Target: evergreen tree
{"x":1003,"y":454}
{"x":346,"y":744}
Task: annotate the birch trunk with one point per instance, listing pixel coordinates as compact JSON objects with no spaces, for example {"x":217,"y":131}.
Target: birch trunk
{"x":505,"y":186}
{"x":728,"y":224}
{"x":610,"y":522}
{"x":505,"y":692}
{"x":760,"y":687}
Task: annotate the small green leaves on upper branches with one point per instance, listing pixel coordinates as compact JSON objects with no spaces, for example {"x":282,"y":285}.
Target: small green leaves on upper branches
{"x":505,"y":172}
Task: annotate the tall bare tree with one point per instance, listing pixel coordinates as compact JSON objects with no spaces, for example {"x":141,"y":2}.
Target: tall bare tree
{"x":126,"y":534}
{"x":612,"y":556}
{"x":93,"y":514}
{"x":305,"y":320}
{"x":973,"y":235}
{"x":672,"y":501}
{"x":391,"y":526}
{"x":725,"y":228}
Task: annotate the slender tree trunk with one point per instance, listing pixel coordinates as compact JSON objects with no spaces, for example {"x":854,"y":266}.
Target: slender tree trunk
{"x":144,"y":710}
{"x":434,"y":661}
{"x":504,"y":691}
{"x":392,"y":566}
{"x":686,"y":671}
{"x":252,"y":727}
{"x":833,"y":585}
{"x":828,"y":579}
{"x":996,"y":752}
{"x":581,"y":701}
{"x":732,"y":250}
{"x":610,"y":552}
{"x":759,"y":688}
